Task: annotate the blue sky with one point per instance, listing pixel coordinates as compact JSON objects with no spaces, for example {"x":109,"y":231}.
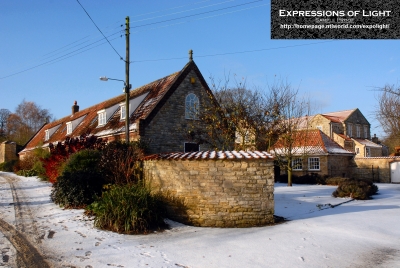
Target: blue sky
{"x":336,"y":74}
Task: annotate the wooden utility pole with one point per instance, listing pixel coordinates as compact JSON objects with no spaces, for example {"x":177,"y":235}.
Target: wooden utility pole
{"x":127,"y":85}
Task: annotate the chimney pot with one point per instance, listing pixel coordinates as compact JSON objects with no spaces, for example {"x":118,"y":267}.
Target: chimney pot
{"x":75,"y":107}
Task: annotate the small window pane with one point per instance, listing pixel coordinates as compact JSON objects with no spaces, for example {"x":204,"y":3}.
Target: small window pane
{"x":192,"y":107}
{"x":69,"y":128}
{"x":191,"y":147}
{"x":102,"y":118}
{"x":313,"y":163}
{"x":297,"y":164}
{"x":123,"y":111}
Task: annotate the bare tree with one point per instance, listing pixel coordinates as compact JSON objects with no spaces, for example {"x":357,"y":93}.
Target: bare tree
{"x":4,"y":114}
{"x":26,"y":121}
{"x":292,"y":143}
{"x":388,"y":114}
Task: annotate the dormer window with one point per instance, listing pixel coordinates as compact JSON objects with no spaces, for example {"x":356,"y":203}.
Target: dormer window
{"x":46,"y":135}
{"x":192,"y":105}
{"x":69,"y":128}
{"x":123,"y":111}
{"x":102,"y":117}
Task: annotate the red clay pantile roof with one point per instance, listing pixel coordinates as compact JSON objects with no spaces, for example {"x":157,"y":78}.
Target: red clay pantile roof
{"x":312,"y":141}
{"x":86,"y":119}
{"x":215,"y":155}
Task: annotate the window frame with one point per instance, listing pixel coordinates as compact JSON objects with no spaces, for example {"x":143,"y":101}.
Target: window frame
{"x":297,"y":164}
{"x":102,"y":118}
{"x":191,"y":111}
{"x":122,"y":112}
{"x":312,"y":163}
{"x":350,"y":130}
{"x":365,"y":132}
{"x":367,"y":152}
{"x":46,"y":135}
{"x":358,"y":131}
{"x":69,"y":128}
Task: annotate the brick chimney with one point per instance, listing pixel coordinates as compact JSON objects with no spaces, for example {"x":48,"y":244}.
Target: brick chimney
{"x":75,"y":107}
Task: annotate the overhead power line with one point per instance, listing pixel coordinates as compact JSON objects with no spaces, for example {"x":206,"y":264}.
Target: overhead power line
{"x":99,"y":30}
{"x":237,"y":52}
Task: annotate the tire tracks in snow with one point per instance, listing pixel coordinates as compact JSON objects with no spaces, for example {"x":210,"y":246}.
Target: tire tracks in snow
{"x":27,"y":254}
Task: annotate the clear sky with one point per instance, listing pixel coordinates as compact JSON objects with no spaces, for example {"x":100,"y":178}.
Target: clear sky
{"x":48,"y":52}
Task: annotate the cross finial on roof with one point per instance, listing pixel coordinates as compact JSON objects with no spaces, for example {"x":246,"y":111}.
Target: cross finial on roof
{"x":190,"y":55}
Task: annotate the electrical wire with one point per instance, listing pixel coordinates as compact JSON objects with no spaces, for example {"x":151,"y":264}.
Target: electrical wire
{"x":202,"y":13}
{"x":99,"y":30}
{"x":237,"y":52}
{"x":180,"y":12}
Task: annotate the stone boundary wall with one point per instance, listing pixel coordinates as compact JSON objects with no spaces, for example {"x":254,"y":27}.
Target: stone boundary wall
{"x":8,"y":151}
{"x":214,"y":192}
{"x":374,"y":168}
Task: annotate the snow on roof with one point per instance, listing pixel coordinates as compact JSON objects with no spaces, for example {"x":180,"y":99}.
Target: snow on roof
{"x":340,"y":116}
{"x":215,"y":155}
{"x":368,"y":143}
{"x":312,"y":141}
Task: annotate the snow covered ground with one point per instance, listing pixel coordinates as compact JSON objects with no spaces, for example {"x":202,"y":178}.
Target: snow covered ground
{"x":353,"y":234}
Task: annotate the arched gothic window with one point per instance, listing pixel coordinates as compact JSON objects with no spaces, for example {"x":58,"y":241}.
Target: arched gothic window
{"x":192,"y":105}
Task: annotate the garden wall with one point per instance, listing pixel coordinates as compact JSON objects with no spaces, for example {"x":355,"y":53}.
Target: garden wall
{"x":376,"y":169}
{"x":218,"y":189}
{"x":8,"y":151}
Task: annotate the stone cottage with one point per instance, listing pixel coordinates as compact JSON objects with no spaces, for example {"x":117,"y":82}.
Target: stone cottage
{"x":161,"y":114}
{"x":315,"y":152}
{"x":350,"y":129}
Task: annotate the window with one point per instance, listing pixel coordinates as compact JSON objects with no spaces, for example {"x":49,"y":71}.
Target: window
{"x":365,"y":132}
{"x":358,"y":130}
{"x":368,"y":151}
{"x":191,"y":147}
{"x":123,"y":112}
{"x":69,"y":128}
{"x":350,"y":130}
{"x":313,"y":163}
{"x":102,"y":118}
{"x":192,"y":107}
{"x":357,"y":150}
{"x":297,"y":164}
{"x":46,"y":135}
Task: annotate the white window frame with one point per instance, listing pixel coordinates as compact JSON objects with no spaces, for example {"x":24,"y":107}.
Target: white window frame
{"x":366,"y":132}
{"x":123,"y":111}
{"x":314,"y":163}
{"x":102,"y":117}
{"x":192,"y":106}
{"x":46,"y":135}
{"x":350,"y":130}
{"x":297,"y":163}
{"x":69,"y":128}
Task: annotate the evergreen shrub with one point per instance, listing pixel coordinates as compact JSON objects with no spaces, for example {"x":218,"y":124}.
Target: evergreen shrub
{"x":129,"y":209}
{"x":80,"y":182}
{"x":357,"y":189}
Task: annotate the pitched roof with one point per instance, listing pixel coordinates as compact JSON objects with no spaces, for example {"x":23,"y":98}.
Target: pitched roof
{"x":368,"y":143}
{"x":314,"y":142}
{"x":143,"y":101}
{"x":339,"y":117}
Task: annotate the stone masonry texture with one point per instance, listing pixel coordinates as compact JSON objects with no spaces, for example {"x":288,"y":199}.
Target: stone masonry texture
{"x":215,"y":193}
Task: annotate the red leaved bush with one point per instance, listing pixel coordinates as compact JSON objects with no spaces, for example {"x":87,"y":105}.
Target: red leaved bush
{"x":60,"y":153}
